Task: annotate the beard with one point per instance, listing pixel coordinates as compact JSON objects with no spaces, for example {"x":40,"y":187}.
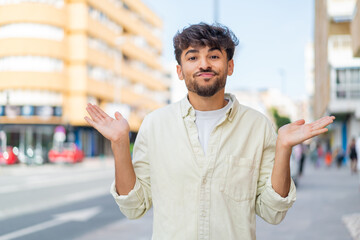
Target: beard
{"x":209,"y":90}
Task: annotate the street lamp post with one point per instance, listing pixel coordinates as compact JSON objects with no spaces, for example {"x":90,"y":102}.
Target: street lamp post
{"x":216,"y":11}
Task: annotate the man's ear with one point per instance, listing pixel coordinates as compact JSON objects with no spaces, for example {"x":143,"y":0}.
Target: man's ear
{"x":179,"y":72}
{"x":230,"y":67}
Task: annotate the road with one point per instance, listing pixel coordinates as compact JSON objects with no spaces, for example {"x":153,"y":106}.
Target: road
{"x":73,"y":202}
{"x":56,"y":201}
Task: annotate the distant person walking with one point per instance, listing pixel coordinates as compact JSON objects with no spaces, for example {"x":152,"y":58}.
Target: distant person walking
{"x":339,"y":155}
{"x":300,"y":157}
{"x":353,"y":156}
{"x":358,"y":151}
{"x":320,"y":155}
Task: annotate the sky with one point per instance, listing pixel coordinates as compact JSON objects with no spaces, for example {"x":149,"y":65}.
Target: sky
{"x":272,"y":35}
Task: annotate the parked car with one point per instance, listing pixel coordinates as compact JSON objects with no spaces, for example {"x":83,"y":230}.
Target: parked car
{"x":67,"y":153}
{"x":8,"y":156}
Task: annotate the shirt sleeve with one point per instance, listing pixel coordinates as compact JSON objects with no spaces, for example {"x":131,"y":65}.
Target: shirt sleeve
{"x":138,"y":201}
{"x":269,"y":204}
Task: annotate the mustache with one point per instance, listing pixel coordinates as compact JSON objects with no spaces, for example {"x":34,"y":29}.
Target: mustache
{"x":205,"y":71}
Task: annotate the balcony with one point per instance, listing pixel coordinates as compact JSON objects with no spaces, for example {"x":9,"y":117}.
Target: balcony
{"x":138,"y":75}
{"x":35,"y":47}
{"x":31,"y":120}
{"x":133,"y":51}
{"x":139,"y":7}
{"x":32,"y":12}
{"x":126,"y":19}
{"x":98,"y":58}
{"x":99,"y":30}
{"x":33,"y":80}
{"x":130,"y":97}
{"x":355,"y":31}
{"x":109,"y":92}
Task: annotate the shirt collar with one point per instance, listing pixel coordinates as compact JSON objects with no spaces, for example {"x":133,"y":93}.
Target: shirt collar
{"x":187,"y":110}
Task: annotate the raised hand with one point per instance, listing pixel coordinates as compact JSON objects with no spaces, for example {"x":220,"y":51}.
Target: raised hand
{"x":294,"y":133}
{"x":110,"y":128}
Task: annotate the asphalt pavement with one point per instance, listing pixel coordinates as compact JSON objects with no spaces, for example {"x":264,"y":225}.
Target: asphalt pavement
{"x":32,"y":205}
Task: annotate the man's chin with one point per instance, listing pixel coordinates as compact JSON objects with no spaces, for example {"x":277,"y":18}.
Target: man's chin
{"x":206,"y":92}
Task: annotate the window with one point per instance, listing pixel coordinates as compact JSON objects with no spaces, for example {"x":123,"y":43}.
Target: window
{"x":55,"y":3}
{"x":31,"y":64}
{"x":31,"y":30}
{"x":347,"y":83}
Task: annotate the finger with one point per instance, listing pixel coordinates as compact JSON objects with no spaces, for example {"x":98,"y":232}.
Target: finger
{"x":93,"y":114}
{"x":118,"y":116}
{"x":100,"y":112}
{"x":89,"y":121}
{"x":318,"y":132}
{"x":326,"y":122}
{"x":299,"y":122}
{"x":322,"y":122}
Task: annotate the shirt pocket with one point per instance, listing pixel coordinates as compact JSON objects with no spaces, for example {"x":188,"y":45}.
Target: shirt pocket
{"x":240,"y":179}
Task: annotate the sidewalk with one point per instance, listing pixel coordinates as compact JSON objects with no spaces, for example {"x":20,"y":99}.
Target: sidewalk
{"x":327,"y":207}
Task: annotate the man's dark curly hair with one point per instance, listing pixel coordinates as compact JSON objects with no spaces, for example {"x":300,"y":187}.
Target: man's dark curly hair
{"x":203,"y":34}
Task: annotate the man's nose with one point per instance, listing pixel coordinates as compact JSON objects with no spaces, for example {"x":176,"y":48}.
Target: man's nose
{"x":204,"y":64}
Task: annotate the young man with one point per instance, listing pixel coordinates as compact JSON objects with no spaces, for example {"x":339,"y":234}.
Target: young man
{"x":207,"y":164}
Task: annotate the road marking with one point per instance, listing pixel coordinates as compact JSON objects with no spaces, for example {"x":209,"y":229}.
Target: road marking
{"x":58,"y":181}
{"x":40,"y":206}
{"x":352,"y":222}
{"x":78,"y":216}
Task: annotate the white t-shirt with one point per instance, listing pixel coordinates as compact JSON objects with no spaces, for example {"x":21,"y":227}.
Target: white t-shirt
{"x":206,"y":122}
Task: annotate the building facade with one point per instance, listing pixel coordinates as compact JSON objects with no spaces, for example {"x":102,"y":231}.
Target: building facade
{"x":337,"y":68}
{"x":58,"y":55}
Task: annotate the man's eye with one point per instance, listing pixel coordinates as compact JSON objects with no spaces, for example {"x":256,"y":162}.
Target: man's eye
{"x":214,"y":57}
{"x":192,"y":58}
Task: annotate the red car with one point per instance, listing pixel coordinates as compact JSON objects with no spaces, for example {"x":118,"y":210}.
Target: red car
{"x":8,"y":156}
{"x":68,"y":153}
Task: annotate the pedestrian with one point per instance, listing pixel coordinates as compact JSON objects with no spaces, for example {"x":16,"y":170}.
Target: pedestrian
{"x":302,"y":159}
{"x":339,"y":155}
{"x":313,"y":153}
{"x":353,"y":156}
{"x":320,"y":155}
{"x":206,"y":164}
{"x":358,"y":151}
{"x":300,"y":155}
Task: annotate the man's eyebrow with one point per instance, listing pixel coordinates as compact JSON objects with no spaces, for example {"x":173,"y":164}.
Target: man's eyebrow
{"x":191,"y":51}
{"x":214,"y":49}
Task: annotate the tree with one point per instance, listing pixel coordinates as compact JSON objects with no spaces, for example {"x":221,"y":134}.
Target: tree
{"x":279,"y":120}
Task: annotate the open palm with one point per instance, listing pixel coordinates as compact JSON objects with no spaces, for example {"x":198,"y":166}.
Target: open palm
{"x":110,"y":128}
{"x":294,"y":133}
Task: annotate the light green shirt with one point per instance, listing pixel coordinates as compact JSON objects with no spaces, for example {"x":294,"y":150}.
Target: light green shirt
{"x":205,"y":197}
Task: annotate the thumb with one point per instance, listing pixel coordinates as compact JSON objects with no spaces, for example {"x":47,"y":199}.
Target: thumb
{"x":118,"y":116}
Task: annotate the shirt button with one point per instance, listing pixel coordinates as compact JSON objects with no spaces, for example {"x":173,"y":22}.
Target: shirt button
{"x":204,"y":180}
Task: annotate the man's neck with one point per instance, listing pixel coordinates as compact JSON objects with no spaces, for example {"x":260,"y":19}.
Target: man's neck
{"x":214,"y":102}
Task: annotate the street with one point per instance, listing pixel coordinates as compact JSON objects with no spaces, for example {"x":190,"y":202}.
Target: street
{"x":73,"y":202}
{"x":56,"y":201}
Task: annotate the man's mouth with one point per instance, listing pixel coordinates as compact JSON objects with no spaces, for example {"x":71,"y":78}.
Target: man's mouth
{"x":205,"y":74}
